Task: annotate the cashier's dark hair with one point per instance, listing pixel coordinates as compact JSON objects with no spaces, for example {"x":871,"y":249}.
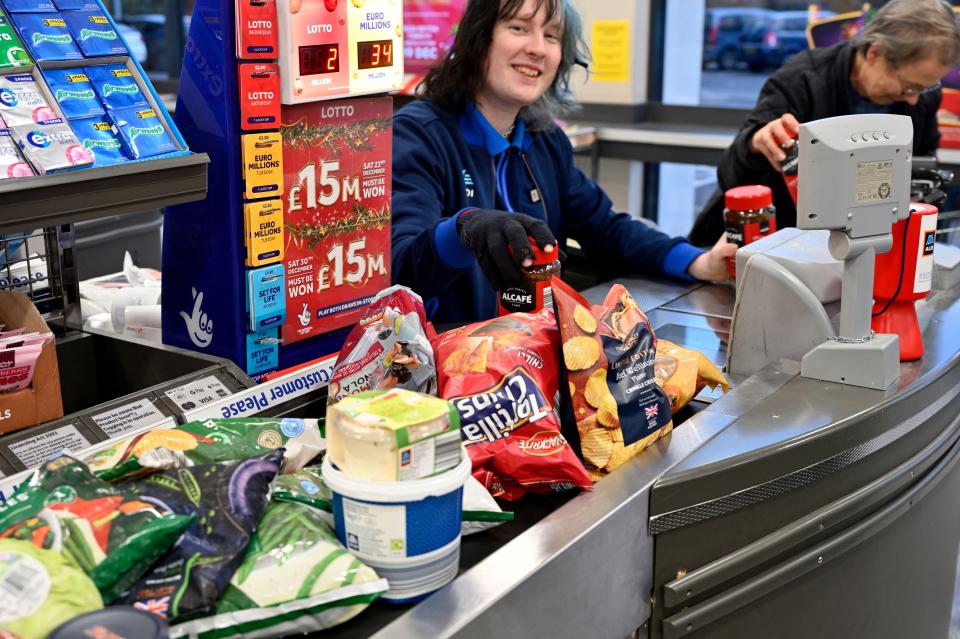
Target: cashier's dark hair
{"x":911,"y":30}
{"x":460,"y":76}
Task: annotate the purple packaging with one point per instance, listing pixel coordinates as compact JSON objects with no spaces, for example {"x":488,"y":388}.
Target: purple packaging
{"x":94,"y":34}
{"x":47,"y":36}
{"x":116,"y":86}
{"x":12,"y":164}
{"x":50,"y":146}
{"x":97,"y":136}
{"x":29,"y":6}
{"x":141,"y":132}
{"x":22,"y":101}
{"x":72,"y":89}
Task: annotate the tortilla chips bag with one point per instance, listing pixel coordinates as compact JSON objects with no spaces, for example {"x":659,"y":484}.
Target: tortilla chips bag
{"x":683,"y":373}
{"x":501,"y":377}
{"x":609,"y":352}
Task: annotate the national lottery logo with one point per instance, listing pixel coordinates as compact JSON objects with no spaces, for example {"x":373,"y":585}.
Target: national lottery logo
{"x":38,"y":139}
{"x":86,"y":34}
{"x":136,"y":131}
{"x":8,"y":97}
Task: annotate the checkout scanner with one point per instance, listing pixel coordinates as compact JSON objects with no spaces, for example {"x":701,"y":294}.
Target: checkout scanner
{"x":854,"y":185}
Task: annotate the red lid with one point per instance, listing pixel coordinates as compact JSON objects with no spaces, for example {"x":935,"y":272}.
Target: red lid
{"x":540,"y":257}
{"x":747,"y":198}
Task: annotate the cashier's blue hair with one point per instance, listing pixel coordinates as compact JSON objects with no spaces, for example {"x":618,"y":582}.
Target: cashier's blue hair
{"x":460,"y":76}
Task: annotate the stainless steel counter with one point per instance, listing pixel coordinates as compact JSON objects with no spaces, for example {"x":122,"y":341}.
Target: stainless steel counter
{"x":718,"y":519}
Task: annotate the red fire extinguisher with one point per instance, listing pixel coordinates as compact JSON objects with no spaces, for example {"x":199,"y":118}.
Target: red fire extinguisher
{"x":904,"y":275}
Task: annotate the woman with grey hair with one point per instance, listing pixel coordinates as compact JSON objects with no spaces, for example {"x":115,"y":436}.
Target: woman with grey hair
{"x":895,"y":66}
{"x":479,"y":166}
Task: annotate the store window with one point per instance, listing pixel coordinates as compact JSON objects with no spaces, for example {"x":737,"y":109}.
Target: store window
{"x":156,"y":32}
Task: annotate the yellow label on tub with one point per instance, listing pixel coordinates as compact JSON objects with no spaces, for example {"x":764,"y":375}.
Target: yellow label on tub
{"x":263,"y":223}
{"x":262,"y":165}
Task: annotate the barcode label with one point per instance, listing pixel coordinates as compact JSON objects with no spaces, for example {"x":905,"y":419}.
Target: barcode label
{"x":24,"y":586}
{"x":446,"y":451}
{"x":163,"y":458}
{"x":548,"y":298}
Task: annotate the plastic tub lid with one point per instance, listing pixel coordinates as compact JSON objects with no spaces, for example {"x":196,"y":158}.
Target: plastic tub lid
{"x":123,"y":622}
{"x":393,"y":492}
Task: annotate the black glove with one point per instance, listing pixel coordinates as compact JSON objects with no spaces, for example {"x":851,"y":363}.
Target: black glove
{"x":499,"y":240}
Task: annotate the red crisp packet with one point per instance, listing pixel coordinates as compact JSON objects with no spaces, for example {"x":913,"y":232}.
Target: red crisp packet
{"x":501,"y":375}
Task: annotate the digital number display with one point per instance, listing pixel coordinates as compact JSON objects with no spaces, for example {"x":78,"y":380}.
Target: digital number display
{"x":319,"y":58}
{"x":375,"y":54}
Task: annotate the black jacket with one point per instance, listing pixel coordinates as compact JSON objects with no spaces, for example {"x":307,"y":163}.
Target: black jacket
{"x":815,"y":84}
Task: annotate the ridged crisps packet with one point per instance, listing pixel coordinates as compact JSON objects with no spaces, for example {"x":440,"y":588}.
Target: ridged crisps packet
{"x":609,"y":352}
{"x":501,"y":377}
{"x":683,"y":372}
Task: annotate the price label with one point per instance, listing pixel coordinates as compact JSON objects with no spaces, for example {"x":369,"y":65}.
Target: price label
{"x":201,"y":392}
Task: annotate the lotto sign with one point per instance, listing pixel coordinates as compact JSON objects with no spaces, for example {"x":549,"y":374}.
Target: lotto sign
{"x":336,"y":164}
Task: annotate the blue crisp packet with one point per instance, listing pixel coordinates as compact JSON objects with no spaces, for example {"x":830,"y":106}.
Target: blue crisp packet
{"x":116,"y":86}
{"x":29,"y":6}
{"x":74,"y":91}
{"x":94,"y":34}
{"x":266,"y":300}
{"x":98,"y":137}
{"x":76,"y":5}
{"x":47,"y":36}
{"x":141,"y":132}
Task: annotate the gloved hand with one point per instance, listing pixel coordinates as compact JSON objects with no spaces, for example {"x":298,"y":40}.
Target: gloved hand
{"x":499,"y":240}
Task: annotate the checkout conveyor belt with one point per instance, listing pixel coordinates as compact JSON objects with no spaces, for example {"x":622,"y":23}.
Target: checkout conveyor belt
{"x":788,"y":508}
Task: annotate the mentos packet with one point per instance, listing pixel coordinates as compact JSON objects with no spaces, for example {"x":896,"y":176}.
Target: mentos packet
{"x":116,"y":86}
{"x":94,"y":34}
{"x":97,"y":136}
{"x":141,"y":132}
{"x":501,"y":375}
{"x":12,"y":164}
{"x":76,"y":5}
{"x":22,"y":102}
{"x":72,"y":89}
{"x":50,"y":146}
{"x":12,"y":53}
{"x":29,"y":6}
{"x":47,"y":36}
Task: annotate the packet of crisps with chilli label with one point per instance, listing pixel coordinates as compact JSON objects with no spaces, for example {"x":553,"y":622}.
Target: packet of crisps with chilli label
{"x":22,"y":101}
{"x":51,"y":146}
{"x":98,"y":137}
{"x":47,"y":36}
{"x":608,"y":353}
{"x":501,"y":377}
{"x":116,"y":86}
{"x":12,"y":164}
{"x":141,"y":132}
{"x":72,"y":89}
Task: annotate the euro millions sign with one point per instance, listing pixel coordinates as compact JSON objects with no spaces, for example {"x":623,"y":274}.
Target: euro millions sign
{"x":336,"y":164}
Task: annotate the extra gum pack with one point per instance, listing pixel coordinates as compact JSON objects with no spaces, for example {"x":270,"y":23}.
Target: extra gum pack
{"x":94,"y":34}
{"x":12,"y":164}
{"x":47,"y":36}
{"x":116,"y":86}
{"x":50,"y":146}
{"x":141,"y":132}
{"x":22,"y":101}
{"x":72,"y":89}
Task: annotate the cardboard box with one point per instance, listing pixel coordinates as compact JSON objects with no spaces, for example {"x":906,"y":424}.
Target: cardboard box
{"x":41,"y":402}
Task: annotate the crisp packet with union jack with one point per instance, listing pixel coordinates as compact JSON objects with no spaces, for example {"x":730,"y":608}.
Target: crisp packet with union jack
{"x":609,"y":384}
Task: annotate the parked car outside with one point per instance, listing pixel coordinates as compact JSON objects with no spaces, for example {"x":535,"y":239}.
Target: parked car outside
{"x":777,"y":38}
{"x":722,"y":28}
{"x":134,"y":40}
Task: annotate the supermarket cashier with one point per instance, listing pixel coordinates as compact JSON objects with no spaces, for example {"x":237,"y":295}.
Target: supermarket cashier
{"x":479,"y":166}
{"x":894,"y":66}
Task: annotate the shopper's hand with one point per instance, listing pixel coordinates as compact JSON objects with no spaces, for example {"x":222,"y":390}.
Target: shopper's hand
{"x":771,"y":140}
{"x":499,"y":240}
{"x":712,"y":265}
